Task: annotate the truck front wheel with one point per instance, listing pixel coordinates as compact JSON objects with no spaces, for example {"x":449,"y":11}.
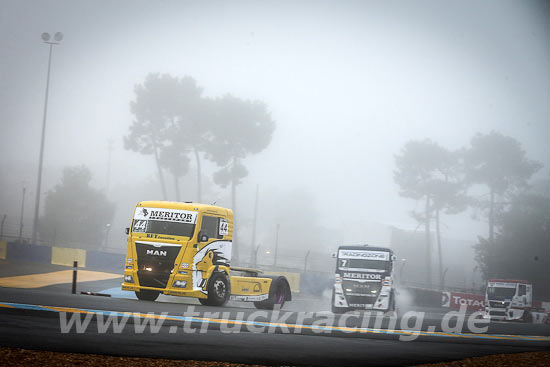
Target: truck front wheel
{"x":218,"y":290}
{"x":147,"y":295}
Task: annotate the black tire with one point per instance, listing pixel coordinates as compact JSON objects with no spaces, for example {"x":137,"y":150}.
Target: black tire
{"x":276,"y":298}
{"x":147,"y":295}
{"x":218,"y":290}
{"x":334,"y":309}
{"x":260,"y":305}
{"x":527,"y":317}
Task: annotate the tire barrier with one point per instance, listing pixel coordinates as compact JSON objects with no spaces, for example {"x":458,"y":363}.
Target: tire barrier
{"x":425,"y":297}
{"x":29,"y":253}
{"x":103,"y":260}
{"x":446,"y":300}
{"x":24,"y":252}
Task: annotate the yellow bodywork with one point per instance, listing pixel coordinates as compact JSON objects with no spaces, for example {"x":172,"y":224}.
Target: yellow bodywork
{"x":186,"y":267}
{"x":248,"y":288}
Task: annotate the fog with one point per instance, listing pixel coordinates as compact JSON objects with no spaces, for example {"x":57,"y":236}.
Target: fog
{"x":347,"y":83}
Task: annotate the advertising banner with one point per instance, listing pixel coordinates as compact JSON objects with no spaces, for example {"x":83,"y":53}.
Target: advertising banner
{"x":474,"y":302}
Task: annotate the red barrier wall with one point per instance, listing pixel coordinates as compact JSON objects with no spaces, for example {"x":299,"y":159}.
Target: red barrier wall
{"x":474,"y":302}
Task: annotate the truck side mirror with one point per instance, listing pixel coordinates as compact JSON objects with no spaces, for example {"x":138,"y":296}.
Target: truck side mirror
{"x":203,"y":237}
{"x":333,"y":255}
{"x":393,"y":257}
{"x":127,"y":230}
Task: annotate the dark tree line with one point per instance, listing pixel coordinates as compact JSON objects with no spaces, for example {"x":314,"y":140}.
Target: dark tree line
{"x":429,"y":173}
{"x":521,"y":247}
{"x":75,"y":213}
{"x":490,"y":176}
{"x":176,"y":124}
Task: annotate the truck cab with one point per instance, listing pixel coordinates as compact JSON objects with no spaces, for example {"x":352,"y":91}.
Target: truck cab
{"x":363,"y":279}
{"x":508,"y":300}
{"x":184,"y":249}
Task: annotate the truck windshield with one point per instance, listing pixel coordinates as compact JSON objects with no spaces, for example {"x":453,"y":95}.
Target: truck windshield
{"x":163,"y":227}
{"x":500,"y":293}
{"x":361,"y":264}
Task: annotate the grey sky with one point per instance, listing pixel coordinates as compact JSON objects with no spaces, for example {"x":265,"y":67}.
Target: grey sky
{"x":347,"y":82}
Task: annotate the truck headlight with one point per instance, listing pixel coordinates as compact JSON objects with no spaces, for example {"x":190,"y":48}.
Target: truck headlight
{"x":180,"y":283}
{"x":128,"y":279}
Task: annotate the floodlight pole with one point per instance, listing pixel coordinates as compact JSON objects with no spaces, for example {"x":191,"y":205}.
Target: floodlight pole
{"x":21,"y":218}
{"x":276,"y":245}
{"x":41,"y":157}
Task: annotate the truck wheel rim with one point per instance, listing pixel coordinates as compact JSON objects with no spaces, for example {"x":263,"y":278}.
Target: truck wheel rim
{"x":219,"y":287}
{"x":281,"y":297}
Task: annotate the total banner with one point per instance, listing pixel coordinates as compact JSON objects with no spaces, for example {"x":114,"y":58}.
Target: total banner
{"x":473,"y":302}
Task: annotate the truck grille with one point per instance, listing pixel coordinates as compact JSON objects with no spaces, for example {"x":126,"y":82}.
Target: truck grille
{"x":368,"y":289}
{"x":359,"y":294}
{"x":498,"y":304}
{"x":155,"y":263}
{"x":358,"y":301}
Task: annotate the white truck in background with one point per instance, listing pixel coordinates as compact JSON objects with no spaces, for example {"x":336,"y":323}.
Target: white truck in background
{"x":512,"y":300}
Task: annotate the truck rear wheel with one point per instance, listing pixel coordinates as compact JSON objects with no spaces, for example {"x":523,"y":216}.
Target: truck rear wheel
{"x":147,"y":295}
{"x":276,"y":298}
{"x":218,"y":290}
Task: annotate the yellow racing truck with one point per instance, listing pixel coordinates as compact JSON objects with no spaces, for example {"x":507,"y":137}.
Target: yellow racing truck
{"x":184,"y":249}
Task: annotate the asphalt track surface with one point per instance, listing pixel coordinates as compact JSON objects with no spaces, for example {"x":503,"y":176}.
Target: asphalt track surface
{"x":31,"y":318}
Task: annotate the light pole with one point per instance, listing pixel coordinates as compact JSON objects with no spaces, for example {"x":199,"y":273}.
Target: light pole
{"x":443,"y":278}
{"x":46,"y":38}
{"x":21,"y":218}
{"x":403,"y":262}
{"x":256,"y":255}
{"x":476,"y":268}
{"x":107,"y":229}
{"x":276,"y":245}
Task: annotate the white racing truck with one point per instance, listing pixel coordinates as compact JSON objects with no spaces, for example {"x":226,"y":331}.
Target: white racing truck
{"x":363,"y":279}
{"x":511,"y":300}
